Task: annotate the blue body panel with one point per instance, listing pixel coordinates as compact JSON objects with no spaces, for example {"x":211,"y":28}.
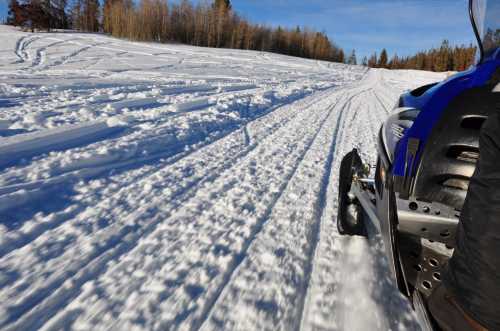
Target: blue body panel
{"x":432,"y":104}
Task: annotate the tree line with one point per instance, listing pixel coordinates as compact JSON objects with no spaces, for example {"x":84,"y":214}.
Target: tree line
{"x":444,"y":58}
{"x":206,"y":24}
{"x":39,"y":14}
{"x":213,"y":24}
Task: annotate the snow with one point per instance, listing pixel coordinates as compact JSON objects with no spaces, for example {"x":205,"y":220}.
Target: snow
{"x":194,"y":104}
{"x":167,"y":187}
{"x":63,"y":137}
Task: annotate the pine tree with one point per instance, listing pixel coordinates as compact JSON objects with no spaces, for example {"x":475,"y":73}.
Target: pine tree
{"x":352,"y":58}
{"x":365,"y":61}
{"x":222,"y":9}
{"x":443,"y":57}
{"x":59,"y":16}
{"x":37,"y":14}
{"x":394,"y":63}
{"x":341,"y":56}
{"x":14,"y":16}
{"x":107,"y":21}
{"x":92,"y":15}
{"x":373,"y":61}
{"x":81,"y":15}
{"x":225,"y":4}
{"x":382,"y":63}
{"x":278,"y":40}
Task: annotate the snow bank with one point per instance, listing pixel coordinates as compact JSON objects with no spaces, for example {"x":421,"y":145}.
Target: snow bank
{"x":12,"y":149}
{"x":194,"y":104}
{"x":189,"y":89}
{"x":137,"y":103}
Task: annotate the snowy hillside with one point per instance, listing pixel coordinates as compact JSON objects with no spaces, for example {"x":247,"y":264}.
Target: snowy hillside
{"x":167,"y":187}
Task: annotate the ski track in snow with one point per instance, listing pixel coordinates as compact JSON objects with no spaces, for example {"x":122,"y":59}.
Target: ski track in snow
{"x":168,"y":187}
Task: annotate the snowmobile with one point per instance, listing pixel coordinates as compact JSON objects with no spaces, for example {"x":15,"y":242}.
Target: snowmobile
{"x":427,"y":153}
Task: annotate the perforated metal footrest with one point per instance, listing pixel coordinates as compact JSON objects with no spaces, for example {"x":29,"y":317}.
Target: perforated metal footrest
{"x":423,"y":265}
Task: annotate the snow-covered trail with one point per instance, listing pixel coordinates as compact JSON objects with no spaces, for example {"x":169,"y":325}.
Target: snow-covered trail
{"x":166,"y":187}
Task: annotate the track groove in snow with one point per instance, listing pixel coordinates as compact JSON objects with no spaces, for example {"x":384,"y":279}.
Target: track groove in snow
{"x":319,"y":209}
{"x":162,"y":231}
{"x":312,"y":205}
{"x":210,"y":305}
{"x":21,"y":46}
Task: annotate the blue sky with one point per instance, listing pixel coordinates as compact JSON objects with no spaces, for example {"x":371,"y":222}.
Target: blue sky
{"x":3,"y":9}
{"x":402,"y":26}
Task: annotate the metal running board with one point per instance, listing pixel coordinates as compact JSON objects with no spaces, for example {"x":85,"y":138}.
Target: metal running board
{"x":432,"y":221}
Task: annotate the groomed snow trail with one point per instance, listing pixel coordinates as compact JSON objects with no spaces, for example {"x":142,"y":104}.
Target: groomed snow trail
{"x":167,"y":187}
